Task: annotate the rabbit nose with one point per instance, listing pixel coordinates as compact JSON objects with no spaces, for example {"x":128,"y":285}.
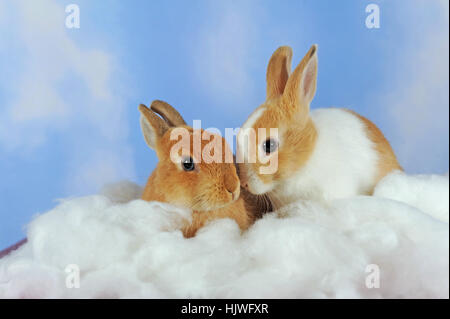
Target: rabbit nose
{"x":235,"y":193}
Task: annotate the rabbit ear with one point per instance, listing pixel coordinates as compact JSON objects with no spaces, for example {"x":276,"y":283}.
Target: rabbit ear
{"x":278,"y":71}
{"x":301,"y":86}
{"x":153,"y":127}
{"x":168,"y":113}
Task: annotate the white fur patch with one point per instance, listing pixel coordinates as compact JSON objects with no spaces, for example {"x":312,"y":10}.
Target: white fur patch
{"x":254,"y":117}
{"x":255,"y":185}
{"x":343,"y":163}
{"x":241,"y":138}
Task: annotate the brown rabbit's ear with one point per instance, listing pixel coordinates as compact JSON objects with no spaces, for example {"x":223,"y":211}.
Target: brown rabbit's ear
{"x":168,"y":113}
{"x":278,"y":71}
{"x":153,"y":127}
{"x":301,"y":86}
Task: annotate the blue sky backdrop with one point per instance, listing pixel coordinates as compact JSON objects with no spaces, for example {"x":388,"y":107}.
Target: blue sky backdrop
{"x":69,"y":97}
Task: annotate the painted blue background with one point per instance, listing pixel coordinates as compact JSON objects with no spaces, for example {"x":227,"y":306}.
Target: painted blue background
{"x":208,"y":59}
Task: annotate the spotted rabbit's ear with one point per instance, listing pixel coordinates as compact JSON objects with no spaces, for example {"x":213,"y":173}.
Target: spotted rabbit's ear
{"x":301,"y":85}
{"x":168,"y":113}
{"x":278,"y":72}
{"x":153,"y":127}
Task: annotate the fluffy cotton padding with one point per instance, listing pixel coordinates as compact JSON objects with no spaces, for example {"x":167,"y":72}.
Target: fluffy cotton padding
{"x":132,"y":248}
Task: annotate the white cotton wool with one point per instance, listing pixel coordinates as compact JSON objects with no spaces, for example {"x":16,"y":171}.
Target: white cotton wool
{"x":428,"y":193}
{"x":128,"y":248}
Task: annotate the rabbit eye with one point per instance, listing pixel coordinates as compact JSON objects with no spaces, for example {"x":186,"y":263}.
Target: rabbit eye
{"x":270,"y":145}
{"x":188,"y":164}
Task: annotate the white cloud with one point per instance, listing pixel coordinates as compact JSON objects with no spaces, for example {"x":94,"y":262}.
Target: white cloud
{"x":58,"y":86}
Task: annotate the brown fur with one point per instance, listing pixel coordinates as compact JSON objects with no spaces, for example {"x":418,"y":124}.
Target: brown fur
{"x":278,"y":72}
{"x":289,"y":112}
{"x":387,"y":161}
{"x":212,"y":190}
{"x":233,"y":211}
{"x":301,"y":138}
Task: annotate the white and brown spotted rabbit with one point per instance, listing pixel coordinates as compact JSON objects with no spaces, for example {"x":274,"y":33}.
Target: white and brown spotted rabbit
{"x":322,"y":154}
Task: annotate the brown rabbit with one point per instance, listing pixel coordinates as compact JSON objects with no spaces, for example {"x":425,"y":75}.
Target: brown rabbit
{"x":211,"y":190}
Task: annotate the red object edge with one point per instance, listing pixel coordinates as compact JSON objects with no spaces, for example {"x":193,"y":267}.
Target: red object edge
{"x":8,"y":250}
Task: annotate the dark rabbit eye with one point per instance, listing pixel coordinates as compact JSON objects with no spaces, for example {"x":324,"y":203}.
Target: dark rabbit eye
{"x":270,"y":145}
{"x":188,"y":164}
